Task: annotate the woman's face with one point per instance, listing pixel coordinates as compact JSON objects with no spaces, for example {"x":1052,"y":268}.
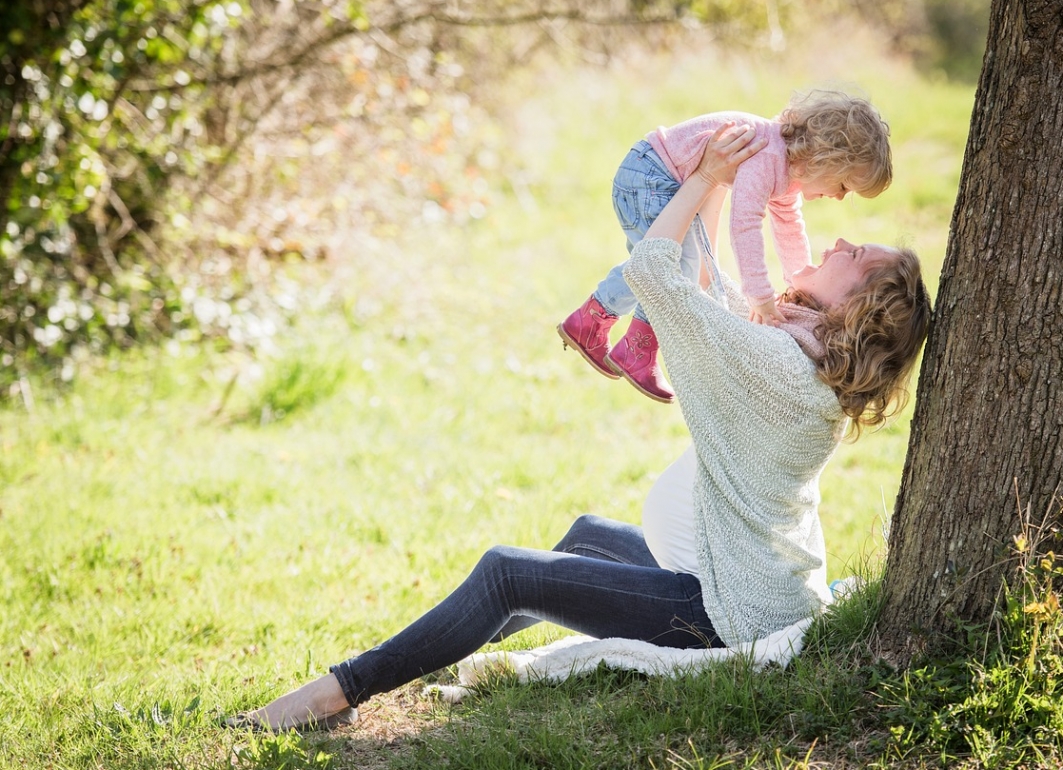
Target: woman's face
{"x":841,"y":271}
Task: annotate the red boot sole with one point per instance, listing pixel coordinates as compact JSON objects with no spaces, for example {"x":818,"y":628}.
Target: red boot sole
{"x":569,"y":342}
{"x":620,"y":372}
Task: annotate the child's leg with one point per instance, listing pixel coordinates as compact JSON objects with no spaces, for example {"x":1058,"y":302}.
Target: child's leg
{"x":642,"y":188}
{"x":639,"y":198}
{"x":635,"y":355}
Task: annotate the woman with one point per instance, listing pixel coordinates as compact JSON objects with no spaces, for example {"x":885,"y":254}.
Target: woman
{"x":733,"y":549}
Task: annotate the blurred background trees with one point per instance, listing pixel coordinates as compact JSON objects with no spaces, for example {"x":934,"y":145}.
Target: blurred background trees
{"x":168,"y":166}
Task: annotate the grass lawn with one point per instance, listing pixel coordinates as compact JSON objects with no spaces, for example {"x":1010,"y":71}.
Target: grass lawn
{"x":174,"y":551}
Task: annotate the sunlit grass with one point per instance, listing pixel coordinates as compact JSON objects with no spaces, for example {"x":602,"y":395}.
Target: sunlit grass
{"x":186,"y":534}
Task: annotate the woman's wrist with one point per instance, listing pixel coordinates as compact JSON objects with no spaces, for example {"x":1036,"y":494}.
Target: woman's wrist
{"x":707,"y":178}
{"x":703,"y":184}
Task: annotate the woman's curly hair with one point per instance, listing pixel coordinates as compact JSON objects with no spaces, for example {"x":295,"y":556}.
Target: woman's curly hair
{"x":833,"y":135}
{"x":872,"y":340}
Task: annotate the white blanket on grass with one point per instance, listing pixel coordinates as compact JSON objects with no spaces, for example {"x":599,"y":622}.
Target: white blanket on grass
{"x":574,"y":655}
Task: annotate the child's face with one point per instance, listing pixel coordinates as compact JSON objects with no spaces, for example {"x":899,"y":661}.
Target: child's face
{"x":822,"y":186}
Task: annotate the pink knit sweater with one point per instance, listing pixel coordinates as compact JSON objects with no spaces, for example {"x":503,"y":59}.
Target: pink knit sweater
{"x":762,"y":185}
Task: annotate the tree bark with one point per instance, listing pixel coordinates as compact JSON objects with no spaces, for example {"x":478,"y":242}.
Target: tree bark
{"x":987,"y":434}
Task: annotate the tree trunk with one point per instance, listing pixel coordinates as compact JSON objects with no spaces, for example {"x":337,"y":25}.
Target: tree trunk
{"x":987,"y":435}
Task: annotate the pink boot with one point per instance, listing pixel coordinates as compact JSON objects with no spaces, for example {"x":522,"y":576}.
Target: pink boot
{"x":587,"y":330}
{"x":635,"y":357}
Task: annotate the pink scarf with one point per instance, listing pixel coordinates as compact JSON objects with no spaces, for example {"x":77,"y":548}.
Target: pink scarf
{"x":801,"y":323}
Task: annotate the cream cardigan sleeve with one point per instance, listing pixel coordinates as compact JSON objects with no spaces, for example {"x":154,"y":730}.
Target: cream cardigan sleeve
{"x":763,"y":427}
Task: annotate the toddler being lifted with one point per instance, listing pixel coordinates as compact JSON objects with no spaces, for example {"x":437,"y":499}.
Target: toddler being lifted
{"x":824,"y":144}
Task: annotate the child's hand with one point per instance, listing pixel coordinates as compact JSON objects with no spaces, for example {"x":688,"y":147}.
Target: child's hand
{"x":766,"y":313}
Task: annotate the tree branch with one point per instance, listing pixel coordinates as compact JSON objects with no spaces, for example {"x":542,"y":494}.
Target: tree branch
{"x":447,"y":19}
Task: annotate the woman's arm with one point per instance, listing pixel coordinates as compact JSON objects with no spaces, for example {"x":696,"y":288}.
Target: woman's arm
{"x":710,"y":212}
{"x":698,"y":335}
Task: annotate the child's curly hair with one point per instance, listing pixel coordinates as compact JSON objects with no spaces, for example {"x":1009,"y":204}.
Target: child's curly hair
{"x":841,"y":137}
{"x":872,"y":340}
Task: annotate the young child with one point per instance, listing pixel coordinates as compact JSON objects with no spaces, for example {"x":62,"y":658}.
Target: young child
{"x":824,"y":144}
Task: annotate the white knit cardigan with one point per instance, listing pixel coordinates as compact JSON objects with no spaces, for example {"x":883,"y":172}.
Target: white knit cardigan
{"x":763,"y":425}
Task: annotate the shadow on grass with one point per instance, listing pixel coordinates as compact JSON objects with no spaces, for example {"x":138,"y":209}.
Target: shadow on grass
{"x":729,"y":716}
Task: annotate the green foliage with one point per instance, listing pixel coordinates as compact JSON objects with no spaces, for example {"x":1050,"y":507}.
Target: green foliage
{"x":118,"y":124}
{"x":1001,"y":702}
{"x":147,"y":158}
{"x":956,"y":36}
{"x":946,"y":36}
{"x":152,"y":730}
{"x":101,"y":112}
{"x":752,"y":19}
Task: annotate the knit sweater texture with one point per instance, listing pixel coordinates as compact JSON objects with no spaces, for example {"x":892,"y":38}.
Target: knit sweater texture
{"x":763,"y":426}
{"x":761,"y":186}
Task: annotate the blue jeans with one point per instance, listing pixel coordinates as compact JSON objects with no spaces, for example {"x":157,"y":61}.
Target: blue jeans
{"x":642,"y":188}
{"x":600,"y":580}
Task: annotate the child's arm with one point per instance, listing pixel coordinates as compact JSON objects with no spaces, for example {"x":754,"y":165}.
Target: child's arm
{"x":788,"y":231}
{"x":749,"y":203}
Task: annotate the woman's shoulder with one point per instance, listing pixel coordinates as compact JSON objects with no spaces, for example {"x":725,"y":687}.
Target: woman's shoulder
{"x":779,"y":368}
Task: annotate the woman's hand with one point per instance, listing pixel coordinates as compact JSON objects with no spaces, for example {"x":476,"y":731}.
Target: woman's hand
{"x":725,"y":151}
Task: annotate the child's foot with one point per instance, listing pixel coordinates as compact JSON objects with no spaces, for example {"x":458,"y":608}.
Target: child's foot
{"x":635,"y":359}
{"x":587,"y":330}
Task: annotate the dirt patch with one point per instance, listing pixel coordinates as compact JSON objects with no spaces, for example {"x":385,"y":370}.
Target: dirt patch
{"x":387,"y":727}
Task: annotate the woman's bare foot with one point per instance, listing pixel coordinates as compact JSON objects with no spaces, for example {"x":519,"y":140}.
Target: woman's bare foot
{"x":320,"y":703}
